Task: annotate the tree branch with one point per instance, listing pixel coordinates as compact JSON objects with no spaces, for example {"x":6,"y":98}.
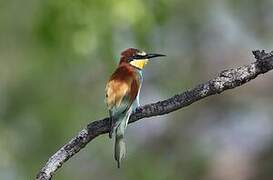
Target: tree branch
{"x":227,"y":79}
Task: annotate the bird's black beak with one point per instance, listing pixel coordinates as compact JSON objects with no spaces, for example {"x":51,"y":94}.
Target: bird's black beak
{"x":149,"y":56}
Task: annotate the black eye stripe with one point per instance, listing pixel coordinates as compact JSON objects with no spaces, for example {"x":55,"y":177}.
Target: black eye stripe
{"x":138,"y":57}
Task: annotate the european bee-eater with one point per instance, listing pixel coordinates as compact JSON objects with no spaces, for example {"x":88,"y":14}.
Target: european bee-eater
{"x":122,"y":94}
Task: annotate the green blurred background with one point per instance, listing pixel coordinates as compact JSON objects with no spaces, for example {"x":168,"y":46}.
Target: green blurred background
{"x":56,"y":56}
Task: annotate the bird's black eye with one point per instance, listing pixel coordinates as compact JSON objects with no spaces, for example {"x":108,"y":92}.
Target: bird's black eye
{"x":134,"y":57}
{"x":137,"y":56}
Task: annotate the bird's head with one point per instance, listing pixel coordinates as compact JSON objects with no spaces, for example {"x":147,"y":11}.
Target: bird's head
{"x":137,"y":58}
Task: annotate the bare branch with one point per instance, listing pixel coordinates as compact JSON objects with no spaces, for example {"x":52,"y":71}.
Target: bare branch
{"x":227,"y":79}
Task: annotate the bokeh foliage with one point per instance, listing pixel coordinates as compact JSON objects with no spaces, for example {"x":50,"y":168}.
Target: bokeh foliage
{"x":55,"y":57}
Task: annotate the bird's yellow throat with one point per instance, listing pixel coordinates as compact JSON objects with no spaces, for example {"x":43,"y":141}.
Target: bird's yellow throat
{"x":139,"y":63}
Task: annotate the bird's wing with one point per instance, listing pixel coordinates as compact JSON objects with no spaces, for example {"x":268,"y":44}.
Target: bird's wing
{"x":121,"y":90}
{"x":120,"y":95}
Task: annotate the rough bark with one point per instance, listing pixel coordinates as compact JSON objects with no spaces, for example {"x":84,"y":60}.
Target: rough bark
{"x":227,"y":79}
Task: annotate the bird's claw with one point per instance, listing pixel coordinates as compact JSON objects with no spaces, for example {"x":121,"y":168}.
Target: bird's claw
{"x":138,"y":109}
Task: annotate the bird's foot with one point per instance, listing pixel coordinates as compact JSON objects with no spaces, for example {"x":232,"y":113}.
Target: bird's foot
{"x":138,"y":109}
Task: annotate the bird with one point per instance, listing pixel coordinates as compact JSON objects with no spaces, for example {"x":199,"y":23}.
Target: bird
{"x":122,"y":95}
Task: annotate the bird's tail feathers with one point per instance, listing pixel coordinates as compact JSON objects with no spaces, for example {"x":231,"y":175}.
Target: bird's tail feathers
{"x":111,"y":126}
{"x":120,"y":146}
{"x":120,"y":149}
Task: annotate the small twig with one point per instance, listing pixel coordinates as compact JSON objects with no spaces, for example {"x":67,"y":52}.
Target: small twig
{"x":227,"y":79}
